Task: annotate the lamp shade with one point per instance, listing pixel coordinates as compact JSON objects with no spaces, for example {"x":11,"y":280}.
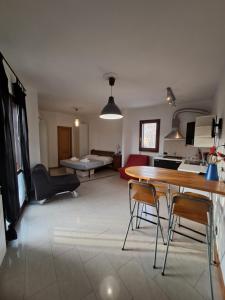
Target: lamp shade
{"x":111,"y":110}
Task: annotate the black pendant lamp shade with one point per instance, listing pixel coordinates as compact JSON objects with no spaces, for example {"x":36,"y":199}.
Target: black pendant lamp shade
{"x":111,"y":111}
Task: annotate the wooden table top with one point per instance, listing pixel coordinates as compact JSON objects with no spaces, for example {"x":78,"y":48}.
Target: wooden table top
{"x":179,"y":178}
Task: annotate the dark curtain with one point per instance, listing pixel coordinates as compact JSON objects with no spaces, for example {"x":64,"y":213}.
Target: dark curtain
{"x":19,"y":98}
{"x":8,"y":171}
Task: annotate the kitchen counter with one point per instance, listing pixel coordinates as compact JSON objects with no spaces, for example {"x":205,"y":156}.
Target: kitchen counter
{"x":169,"y":158}
{"x":192,"y":168}
{"x":179,"y":164}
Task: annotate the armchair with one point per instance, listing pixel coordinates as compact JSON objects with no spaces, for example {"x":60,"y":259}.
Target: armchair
{"x":46,"y":186}
{"x":134,"y":160}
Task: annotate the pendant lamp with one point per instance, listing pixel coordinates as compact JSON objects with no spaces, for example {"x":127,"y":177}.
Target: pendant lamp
{"x":111,"y":111}
{"x":76,"y":120}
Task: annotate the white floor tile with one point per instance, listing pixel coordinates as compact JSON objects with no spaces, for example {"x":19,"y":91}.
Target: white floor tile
{"x":70,"y":248}
{"x":49,"y":293}
{"x":105,"y":280}
{"x":140,"y":286}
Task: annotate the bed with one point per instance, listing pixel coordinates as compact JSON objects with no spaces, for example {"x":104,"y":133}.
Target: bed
{"x":96,"y":159}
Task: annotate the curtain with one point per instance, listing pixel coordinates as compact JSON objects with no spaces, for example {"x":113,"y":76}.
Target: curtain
{"x":8,"y":171}
{"x":19,"y":98}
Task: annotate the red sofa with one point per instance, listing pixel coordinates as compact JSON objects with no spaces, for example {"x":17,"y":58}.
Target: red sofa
{"x":134,"y":160}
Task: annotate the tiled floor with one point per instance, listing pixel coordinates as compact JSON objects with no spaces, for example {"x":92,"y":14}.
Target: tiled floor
{"x":70,"y":248}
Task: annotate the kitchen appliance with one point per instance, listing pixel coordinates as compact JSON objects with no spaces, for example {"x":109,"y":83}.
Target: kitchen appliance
{"x":175,"y":133}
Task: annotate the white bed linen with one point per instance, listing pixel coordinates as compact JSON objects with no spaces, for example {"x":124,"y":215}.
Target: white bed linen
{"x":105,"y":159}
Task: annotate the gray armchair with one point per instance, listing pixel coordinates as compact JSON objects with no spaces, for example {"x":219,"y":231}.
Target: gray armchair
{"x":46,"y":186}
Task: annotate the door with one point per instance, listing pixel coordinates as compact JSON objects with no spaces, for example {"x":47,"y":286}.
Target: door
{"x":64,"y":143}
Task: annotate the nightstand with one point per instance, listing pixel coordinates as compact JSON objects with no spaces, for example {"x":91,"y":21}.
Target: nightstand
{"x":117,"y":160}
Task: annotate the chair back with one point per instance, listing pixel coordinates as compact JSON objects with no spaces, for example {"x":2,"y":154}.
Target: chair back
{"x":41,"y":180}
{"x":137,"y":160}
{"x":192,"y":207}
{"x":142,"y":192}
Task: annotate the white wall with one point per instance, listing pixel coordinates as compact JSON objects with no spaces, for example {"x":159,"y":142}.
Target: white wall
{"x":163,"y":112}
{"x":219,"y":202}
{"x":104,"y":134}
{"x":52,"y":120}
{"x":33,"y":125}
{"x":43,"y":133}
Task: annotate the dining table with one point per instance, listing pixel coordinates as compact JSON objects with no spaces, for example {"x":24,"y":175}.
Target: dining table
{"x":181,"y":179}
{"x":177,"y":178}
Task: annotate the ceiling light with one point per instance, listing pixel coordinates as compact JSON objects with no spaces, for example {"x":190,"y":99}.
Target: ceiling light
{"x":111,"y":111}
{"x":76,"y":120}
{"x":170,"y":98}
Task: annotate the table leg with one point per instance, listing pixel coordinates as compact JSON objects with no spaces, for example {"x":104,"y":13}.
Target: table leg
{"x":213,"y":233}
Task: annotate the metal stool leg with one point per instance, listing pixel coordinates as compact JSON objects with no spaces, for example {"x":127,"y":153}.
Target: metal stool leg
{"x":209,"y":237}
{"x":137,"y":215}
{"x":168,"y":203}
{"x":132,"y":226}
{"x":175,"y":223}
{"x":160,"y":225}
{"x":139,"y":223}
{"x":131,"y":218}
{"x":156,"y":239}
{"x":171,"y":219}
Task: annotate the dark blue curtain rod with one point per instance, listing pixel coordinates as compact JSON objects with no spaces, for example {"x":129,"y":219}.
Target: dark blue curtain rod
{"x":17,"y":78}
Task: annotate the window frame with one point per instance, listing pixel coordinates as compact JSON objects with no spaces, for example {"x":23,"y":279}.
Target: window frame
{"x":156,"y":148}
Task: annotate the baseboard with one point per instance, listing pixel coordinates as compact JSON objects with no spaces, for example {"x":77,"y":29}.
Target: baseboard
{"x":219,"y":272}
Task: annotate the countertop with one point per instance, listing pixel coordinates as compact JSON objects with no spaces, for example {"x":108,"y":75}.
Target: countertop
{"x":168,"y":158}
{"x":192,"y":168}
{"x":185,"y":166}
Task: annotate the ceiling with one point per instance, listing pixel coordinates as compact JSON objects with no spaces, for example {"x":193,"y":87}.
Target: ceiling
{"x":63,"y":48}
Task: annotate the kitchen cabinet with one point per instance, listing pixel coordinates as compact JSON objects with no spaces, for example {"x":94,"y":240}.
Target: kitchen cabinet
{"x":203,"y":131}
{"x":190,"y":133}
{"x":168,"y":164}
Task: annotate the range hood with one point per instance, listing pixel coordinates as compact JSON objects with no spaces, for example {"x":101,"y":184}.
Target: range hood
{"x":175,"y":133}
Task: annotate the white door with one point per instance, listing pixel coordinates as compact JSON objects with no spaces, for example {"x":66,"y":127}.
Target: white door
{"x":83,"y":139}
{"x":2,"y":233}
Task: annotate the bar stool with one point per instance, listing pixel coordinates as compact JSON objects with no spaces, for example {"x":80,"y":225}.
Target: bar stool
{"x":163,"y":191}
{"x":145,"y":194}
{"x":197,"y":208}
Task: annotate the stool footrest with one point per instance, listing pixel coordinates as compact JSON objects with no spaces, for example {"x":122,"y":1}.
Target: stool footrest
{"x":188,"y":236}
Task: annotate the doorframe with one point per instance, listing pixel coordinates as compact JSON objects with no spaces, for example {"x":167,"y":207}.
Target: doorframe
{"x":71,"y":136}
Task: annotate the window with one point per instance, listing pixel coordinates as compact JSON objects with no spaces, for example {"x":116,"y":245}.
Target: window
{"x":149,"y":135}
